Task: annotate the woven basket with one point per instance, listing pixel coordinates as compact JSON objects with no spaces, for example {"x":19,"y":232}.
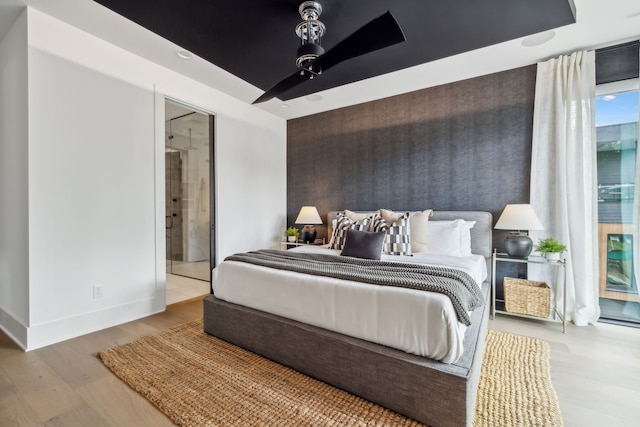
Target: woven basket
{"x":527,"y":297}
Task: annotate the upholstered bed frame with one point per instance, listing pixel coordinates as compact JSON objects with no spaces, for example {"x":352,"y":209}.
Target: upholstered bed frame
{"x":428,"y":391}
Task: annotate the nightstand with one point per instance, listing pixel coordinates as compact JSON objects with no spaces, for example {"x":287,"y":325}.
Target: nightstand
{"x":555,"y":315}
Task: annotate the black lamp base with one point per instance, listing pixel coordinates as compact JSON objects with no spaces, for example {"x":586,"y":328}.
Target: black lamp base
{"x":518,"y":245}
{"x":308,"y":234}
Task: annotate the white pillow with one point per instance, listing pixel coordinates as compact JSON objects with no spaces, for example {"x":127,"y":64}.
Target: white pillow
{"x":450,"y":237}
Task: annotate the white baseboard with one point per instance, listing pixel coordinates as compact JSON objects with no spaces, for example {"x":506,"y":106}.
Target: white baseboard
{"x":42,"y":335}
{"x":14,"y":329}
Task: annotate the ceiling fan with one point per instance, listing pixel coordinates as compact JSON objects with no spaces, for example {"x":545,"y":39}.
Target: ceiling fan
{"x":312,"y":60}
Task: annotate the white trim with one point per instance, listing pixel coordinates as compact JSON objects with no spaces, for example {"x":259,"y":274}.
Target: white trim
{"x":618,"y":87}
{"x":13,"y":328}
{"x":159,"y":198}
{"x":160,"y":116}
{"x":59,"y":330}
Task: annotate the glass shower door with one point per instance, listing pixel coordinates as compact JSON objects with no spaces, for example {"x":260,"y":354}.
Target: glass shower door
{"x":187,"y":207}
{"x":173,"y":208}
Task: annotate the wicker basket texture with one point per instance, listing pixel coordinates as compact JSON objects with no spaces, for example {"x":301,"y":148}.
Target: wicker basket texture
{"x":527,"y":297}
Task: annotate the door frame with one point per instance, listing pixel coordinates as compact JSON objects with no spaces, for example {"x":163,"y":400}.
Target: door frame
{"x":159,"y":160}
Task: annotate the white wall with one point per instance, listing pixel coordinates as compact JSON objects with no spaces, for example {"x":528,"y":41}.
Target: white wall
{"x":245,"y":201}
{"x":96,"y":179}
{"x":14,"y":249}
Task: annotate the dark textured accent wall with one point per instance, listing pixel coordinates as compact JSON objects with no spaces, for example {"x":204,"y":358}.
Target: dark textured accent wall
{"x":619,"y":62}
{"x":460,"y":146}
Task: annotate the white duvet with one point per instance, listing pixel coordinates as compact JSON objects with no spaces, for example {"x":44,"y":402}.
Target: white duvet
{"x":418,"y":322}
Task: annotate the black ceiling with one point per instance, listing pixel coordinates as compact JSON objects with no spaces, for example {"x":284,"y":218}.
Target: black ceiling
{"x":255,"y":39}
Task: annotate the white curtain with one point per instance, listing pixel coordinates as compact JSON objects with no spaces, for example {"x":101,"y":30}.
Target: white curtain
{"x":564,"y":178}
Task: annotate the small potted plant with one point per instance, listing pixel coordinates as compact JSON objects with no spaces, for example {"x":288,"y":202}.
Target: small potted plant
{"x":292,"y":234}
{"x":550,"y":248}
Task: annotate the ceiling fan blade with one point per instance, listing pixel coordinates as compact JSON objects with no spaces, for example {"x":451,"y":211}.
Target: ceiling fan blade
{"x":288,"y":83}
{"x":379,"y":33}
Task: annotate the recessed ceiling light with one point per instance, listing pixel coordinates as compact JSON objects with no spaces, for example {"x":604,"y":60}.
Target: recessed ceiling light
{"x":538,"y":39}
{"x":284,"y":105}
{"x":314,"y":98}
{"x":184,"y":54}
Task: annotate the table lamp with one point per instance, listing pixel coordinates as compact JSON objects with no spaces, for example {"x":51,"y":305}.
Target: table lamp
{"x":308,"y":216}
{"x":522,"y":218}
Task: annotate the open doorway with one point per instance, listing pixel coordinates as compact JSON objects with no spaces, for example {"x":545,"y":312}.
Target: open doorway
{"x":188,"y":201}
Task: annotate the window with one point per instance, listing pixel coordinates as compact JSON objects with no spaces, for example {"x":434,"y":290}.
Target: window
{"x":617,"y":150}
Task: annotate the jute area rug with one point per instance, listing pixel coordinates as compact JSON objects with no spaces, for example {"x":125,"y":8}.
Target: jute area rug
{"x":199,"y":380}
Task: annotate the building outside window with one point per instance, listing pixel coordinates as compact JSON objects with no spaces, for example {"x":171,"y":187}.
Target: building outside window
{"x":617,"y":142}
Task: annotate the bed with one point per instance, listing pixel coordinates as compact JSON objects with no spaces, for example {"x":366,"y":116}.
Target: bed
{"x":436,"y":390}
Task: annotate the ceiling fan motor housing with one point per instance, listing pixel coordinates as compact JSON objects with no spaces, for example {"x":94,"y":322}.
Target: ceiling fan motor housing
{"x":310,"y":31}
{"x":307,"y":53}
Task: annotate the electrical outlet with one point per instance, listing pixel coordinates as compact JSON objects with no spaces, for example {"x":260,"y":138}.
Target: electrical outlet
{"x":97,"y":291}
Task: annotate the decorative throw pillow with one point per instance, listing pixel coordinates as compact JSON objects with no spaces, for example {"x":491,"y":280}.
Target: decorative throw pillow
{"x":418,"y":223}
{"x":397,"y":235}
{"x":378,"y":224}
{"x":358,"y":216}
{"x":343,"y":223}
{"x":334,"y":223}
{"x":390,"y":216}
{"x":363,"y":244}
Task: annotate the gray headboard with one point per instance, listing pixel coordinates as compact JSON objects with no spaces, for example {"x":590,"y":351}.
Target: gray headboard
{"x":481,"y":243}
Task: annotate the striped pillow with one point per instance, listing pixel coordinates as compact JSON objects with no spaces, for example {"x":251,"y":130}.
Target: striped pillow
{"x":397,"y":239}
{"x":343,"y":223}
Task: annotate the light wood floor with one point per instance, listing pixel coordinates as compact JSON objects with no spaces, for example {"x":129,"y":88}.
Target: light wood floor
{"x":595,"y":371}
{"x":180,"y":288}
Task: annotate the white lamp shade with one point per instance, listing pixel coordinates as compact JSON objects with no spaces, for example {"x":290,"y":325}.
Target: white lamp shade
{"x":518,"y":217}
{"x":308,"y":215}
